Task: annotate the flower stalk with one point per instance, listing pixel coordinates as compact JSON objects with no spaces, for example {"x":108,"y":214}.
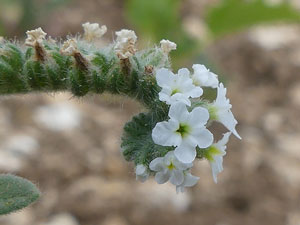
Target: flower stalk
{"x":164,"y":141}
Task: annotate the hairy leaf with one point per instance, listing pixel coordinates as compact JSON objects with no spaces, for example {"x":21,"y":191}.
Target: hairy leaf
{"x":16,"y":193}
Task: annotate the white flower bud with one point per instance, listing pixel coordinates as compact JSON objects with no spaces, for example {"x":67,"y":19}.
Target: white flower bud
{"x":167,"y":46}
{"x":69,"y":47}
{"x":125,"y":43}
{"x":92,"y":31}
{"x":34,"y":37}
{"x":142,"y":173}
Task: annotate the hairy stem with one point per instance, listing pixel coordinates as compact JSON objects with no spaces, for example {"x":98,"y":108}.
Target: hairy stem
{"x":90,"y":71}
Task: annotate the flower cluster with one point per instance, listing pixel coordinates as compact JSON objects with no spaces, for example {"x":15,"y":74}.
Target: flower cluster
{"x":163,"y":142}
{"x":186,"y":129}
{"x":69,"y":47}
{"x":167,"y":46}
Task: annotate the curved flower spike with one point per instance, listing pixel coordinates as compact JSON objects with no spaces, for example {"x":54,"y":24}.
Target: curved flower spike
{"x":176,"y":87}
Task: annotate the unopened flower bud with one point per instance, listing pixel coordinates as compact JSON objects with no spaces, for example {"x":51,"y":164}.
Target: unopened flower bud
{"x":35,"y":37}
{"x":167,"y":46}
{"x":69,"y":47}
{"x":92,"y":31}
{"x":142,"y":173}
{"x":125,"y":43}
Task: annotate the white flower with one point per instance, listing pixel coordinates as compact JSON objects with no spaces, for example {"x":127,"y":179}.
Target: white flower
{"x":167,"y":46}
{"x":220,"y":111}
{"x":69,"y":47}
{"x":34,"y":37}
{"x":203,"y":77}
{"x":188,"y":181}
{"x":186,"y":130}
{"x":169,"y":168}
{"x":92,"y":31}
{"x":176,"y":87}
{"x":141,"y":172}
{"x":125,"y":43}
{"x":214,"y":154}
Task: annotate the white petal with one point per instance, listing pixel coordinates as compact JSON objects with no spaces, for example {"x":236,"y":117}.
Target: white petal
{"x":190,"y":180}
{"x":184,"y":72}
{"x":178,"y":111}
{"x":180,"y":165}
{"x":164,"y":77}
{"x":163,"y":133}
{"x":179,"y":188}
{"x":216,"y":167}
{"x":199,"y":67}
{"x":169,"y":157}
{"x":228,"y":120}
{"x":199,"y":116}
{"x":214,"y":82}
{"x":142,"y":178}
{"x":221,"y":144}
{"x":157,"y":164}
{"x":185,"y":153}
{"x":176,"y":177}
{"x":181,"y":98}
{"x":203,"y":136}
{"x":162,"y":177}
{"x":195,"y":92}
{"x":164,"y":97}
{"x":221,"y":99}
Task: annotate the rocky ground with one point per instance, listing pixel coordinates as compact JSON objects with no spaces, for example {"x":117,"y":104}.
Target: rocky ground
{"x":76,"y":162}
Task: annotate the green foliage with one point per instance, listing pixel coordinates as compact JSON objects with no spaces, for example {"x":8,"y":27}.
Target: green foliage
{"x":16,"y":193}
{"x":159,"y":19}
{"x":235,"y":15}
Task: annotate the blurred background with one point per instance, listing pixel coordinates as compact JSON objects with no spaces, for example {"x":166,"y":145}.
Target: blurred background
{"x":75,"y":159}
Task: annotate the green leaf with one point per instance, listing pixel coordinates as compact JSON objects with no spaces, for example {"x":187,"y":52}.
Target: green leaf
{"x":236,"y":15}
{"x":16,"y":193}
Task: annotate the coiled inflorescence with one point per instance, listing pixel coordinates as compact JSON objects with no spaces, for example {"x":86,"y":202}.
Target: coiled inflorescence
{"x":164,"y":141}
